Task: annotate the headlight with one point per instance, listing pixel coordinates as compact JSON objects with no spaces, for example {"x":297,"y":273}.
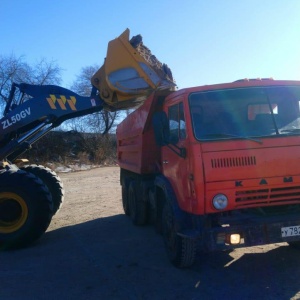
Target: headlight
{"x":220,"y":201}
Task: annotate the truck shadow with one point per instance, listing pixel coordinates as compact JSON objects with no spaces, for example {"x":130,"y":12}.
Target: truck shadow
{"x":273,"y":274}
{"x":136,"y":253}
{"x":109,"y":258}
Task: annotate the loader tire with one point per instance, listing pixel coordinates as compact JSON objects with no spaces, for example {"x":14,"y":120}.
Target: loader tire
{"x":52,"y":181}
{"x":138,"y":207}
{"x":25,"y":209}
{"x":181,"y":250}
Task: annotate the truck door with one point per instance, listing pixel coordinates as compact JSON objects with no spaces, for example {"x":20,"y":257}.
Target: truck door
{"x":175,"y":167}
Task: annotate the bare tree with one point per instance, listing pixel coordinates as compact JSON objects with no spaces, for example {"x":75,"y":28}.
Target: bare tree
{"x":82,"y":84}
{"x":100,"y":122}
{"x":11,"y":69}
{"x":15,"y":69}
{"x":45,"y":72}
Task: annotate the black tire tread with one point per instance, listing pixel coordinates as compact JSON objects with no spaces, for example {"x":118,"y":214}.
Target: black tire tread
{"x":183,"y":253}
{"x":138,"y":207}
{"x":51,"y":180}
{"x":125,"y":201}
{"x":40,"y":206}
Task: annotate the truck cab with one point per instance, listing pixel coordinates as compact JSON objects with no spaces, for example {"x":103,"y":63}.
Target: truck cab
{"x":240,"y":140}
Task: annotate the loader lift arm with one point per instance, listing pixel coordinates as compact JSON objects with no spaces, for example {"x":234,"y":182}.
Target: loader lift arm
{"x":33,"y":110}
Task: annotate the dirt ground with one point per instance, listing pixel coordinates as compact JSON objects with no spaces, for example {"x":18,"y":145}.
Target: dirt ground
{"x":92,"y":251}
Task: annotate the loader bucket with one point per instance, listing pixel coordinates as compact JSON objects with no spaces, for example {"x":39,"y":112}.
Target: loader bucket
{"x":130,"y":73}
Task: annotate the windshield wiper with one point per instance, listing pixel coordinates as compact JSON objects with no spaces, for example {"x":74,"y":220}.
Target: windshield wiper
{"x":292,"y":130}
{"x":232,"y":135}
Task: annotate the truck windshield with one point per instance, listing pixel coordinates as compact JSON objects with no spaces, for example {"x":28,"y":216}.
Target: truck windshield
{"x":246,"y":112}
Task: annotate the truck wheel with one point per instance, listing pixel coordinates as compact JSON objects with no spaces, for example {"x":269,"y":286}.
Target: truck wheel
{"x":25,"y":209}
{"x":152,"y":206}
{"x":125,"y":201}
{"x":158,"y":197}
{"x":52,"y":181}
{"x":181,"y":251}
{"x":295,"y":245}
{"x":138,"y":207}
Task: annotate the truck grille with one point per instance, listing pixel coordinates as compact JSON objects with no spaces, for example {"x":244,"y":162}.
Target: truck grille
{"x":229,"y":162}
{"x":266,"y":196}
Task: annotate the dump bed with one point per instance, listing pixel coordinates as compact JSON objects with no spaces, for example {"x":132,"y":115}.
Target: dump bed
{"x":137,"y":150}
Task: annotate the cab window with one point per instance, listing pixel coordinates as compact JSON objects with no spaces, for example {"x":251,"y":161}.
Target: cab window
{"x":177,"y":122}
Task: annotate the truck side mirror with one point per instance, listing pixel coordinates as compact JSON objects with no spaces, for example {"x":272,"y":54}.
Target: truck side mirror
{"x":161,"y":127}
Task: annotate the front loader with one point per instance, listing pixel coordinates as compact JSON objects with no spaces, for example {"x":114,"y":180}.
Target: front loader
{"x":31,"y":195}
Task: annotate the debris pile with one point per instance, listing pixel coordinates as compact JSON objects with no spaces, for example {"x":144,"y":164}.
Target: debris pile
{"x":162,"y":70}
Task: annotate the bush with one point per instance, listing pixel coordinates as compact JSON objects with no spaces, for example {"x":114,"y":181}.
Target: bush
{"x":73,"y":147}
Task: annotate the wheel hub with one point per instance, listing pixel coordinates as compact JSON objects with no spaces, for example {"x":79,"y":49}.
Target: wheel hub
{"x":13,"y":212}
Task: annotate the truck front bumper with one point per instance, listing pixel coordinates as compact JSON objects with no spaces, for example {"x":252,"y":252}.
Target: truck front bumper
{"x":254,"y":232}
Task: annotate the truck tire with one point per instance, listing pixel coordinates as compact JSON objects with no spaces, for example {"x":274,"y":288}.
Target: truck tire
{"x":152,"y":206}
{"x":159,"y":198}
{"x":137,"y":207}
{"x":181,"y":250}
{"x":125,"y":201}
{"x":52,"y":181}
{"x":25,"y":209}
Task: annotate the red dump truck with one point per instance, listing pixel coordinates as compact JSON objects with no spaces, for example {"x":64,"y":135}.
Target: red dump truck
{"x":215,"y":167}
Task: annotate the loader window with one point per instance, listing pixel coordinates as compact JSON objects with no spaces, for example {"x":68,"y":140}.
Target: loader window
{"x":177,"y":122}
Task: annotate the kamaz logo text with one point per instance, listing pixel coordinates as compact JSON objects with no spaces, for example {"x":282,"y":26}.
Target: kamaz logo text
{"x":62,"y":102}
{"x":263,"y":181}
{"x":16,"y":118}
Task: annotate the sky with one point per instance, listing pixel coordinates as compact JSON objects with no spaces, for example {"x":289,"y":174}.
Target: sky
{"x":202,"y":41}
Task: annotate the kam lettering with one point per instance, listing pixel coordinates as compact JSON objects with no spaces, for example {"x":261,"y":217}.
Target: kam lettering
{"x":16,"y":118}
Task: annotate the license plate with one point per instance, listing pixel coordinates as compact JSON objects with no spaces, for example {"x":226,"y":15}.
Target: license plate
{"x":290,"y":231}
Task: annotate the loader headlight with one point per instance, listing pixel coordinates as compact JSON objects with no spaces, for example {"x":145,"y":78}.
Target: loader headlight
{"x":220,"y":201}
